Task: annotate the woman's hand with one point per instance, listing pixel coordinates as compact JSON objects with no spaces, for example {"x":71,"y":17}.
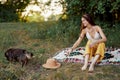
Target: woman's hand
{"x":67,"y":52}
{"x":93,"y":43}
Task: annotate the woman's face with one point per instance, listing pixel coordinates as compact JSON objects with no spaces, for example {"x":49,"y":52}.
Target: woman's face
{"x":84,"y":21}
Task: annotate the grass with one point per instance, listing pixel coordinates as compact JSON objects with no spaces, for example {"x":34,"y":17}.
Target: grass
{"x":44,"y":40}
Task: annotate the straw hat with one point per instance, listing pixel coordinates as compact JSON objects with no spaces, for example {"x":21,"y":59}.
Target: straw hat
{"x":51,"y":63}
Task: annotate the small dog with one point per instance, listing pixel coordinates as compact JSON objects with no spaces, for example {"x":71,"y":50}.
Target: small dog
{"x":19,"y":55}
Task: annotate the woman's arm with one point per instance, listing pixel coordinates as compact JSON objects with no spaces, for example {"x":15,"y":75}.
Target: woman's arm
{"x":103,"y":39}
{"x":79,"y":40}
{"x":76,"y":43}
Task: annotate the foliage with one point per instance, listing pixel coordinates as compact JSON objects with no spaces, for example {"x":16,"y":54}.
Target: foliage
{"x":65,"y":31}
{"x":26,"y":11}
{"x":68,"y":32}
{"x":11,"y":9}
{"x":104,"y":10}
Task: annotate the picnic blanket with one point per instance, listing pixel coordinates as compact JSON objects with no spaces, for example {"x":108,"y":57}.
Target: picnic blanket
{"x":112,"y":56}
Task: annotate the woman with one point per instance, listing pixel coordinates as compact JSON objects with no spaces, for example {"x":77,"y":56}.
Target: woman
{"x":95,"y":46}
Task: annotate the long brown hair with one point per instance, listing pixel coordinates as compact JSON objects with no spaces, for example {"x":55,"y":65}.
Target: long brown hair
{"x":89,"y":19}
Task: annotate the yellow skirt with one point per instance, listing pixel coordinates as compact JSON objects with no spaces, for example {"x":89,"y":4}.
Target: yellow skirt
{"x":98,"y":49}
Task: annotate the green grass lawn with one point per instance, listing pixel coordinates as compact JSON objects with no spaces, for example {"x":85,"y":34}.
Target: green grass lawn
{"x":44,"y":40}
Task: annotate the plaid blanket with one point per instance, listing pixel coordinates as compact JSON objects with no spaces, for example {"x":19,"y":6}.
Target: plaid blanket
{"x":112,"y":56}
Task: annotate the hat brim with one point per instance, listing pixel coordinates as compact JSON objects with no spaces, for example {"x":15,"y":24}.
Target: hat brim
{"x":51,"y":67}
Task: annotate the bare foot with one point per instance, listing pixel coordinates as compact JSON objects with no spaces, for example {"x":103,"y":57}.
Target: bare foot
{"x":91,"y":69}
{"x":84,"y":67}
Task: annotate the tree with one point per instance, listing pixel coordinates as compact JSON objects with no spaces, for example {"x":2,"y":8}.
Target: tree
{"x":11,"y":9}
{"x":103,"y":10}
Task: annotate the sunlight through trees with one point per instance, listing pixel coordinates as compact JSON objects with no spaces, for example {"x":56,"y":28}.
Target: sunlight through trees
{"x":42,"y":10}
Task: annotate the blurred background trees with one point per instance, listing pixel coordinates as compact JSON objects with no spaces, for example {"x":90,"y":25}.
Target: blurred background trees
{"x":103,"y":10}
{"x":29,"y":10}
{"x":10,"y":10}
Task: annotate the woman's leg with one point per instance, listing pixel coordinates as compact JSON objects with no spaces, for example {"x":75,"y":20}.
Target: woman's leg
{"x":91,"y":68}
{"x":86,"y":62}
